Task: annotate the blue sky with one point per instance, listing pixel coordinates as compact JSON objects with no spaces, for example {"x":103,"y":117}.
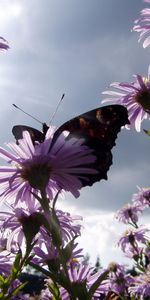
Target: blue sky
{"x":77,"y":48}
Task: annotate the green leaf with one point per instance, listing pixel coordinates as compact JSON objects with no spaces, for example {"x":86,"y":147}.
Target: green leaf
{"x":2,"y":279}
{"x":147,"y":131}
{"x":67,"y":251}
{"x":55,"y":291}
{"x":1,"y":296}
{"x":16,"y":265}
{"x":56,"y":230}
{"x":40,"y":269}
{"x":96,"y":284}
{"x":19,"y":288}
{"x":79,"y":290}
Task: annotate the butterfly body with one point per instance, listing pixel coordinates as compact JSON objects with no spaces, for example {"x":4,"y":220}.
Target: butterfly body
{"x":99,"y":129}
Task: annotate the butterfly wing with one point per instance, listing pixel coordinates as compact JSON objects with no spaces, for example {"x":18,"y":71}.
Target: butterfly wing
{"x":35,"y":134}
{"x":102,"y":123}
{"x":99,"y":128}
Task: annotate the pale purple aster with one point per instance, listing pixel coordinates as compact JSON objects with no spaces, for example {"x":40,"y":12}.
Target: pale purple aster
{"x":132,"y":239}
{"x":45,"y":253}
{"x":11,"y":228}
{"x":3,"y":44}
{"x":69,"y":225}
{"x":140,"y":287}
{"x":11,"y":225}
{"x":134,"y":96}
{"x":34,"y":167}
{"x":142,"y":26}
{"x":129,"y":213}
{"x":142,"y":198}
{"x":79,"y":273}
{"x":119,"y":279}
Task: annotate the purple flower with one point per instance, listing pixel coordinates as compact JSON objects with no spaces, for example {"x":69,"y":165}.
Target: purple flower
{"x":142,"y":26}
{"x":46,"y":253}
{"x":135,"y":96}
{"x":12,"y":226}
{"x":142,"y":198}
{"x":36,"y":168}
{"x":131,"y":241}
{"x":129,"y":213}
{"x":78,"y":273}
{"x":3,"y":44}
{"x":83,"y":273}
{"x":118,"y":278}
{"x":140,"y":287}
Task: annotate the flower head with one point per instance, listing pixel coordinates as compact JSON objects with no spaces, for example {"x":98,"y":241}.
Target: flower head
{"x":51,"y":165}
{"x":135,"y":96}
{"x":129,"y":213}
{"x":131,"y":241}
{"x":46,"y":254}
{"x":79,"y":275}
{"x":142,"y":198}
{"x":140,"y":287}
{"x":118,"y":278}
{"x":142,"y":26}
{"x":3,"y":44}
{"x":14,"y":226}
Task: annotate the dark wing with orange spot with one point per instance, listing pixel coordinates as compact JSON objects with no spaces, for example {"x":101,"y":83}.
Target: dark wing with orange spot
{"x":99,"y":128}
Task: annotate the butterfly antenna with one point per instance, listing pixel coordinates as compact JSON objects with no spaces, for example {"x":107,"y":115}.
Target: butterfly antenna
{"x":27,"y":114}
{"x":63,"y":95}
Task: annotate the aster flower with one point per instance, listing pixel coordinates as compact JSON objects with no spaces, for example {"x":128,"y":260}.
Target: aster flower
{"x":142,"y":26}
{"x":35,"y":168}
{"x":135,"y":96}
{"x":79,"y":274}
{"x":142,"y":198}
{"x":129,"y":213}
{"x":119,"y":279}
{"x":12,"y":226}
{"x":132,"y":239}
{"x":140,"y":287}
{"x":46,"y":254}
{"x":3,"y":44}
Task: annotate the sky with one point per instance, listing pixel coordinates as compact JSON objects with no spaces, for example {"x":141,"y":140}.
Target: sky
{"x":77,"y":48}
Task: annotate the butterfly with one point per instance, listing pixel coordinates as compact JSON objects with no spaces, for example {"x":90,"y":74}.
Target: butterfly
{"x":98,"y":127}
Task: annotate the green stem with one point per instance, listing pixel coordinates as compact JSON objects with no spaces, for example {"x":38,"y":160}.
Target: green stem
{"x":44,"y":201}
